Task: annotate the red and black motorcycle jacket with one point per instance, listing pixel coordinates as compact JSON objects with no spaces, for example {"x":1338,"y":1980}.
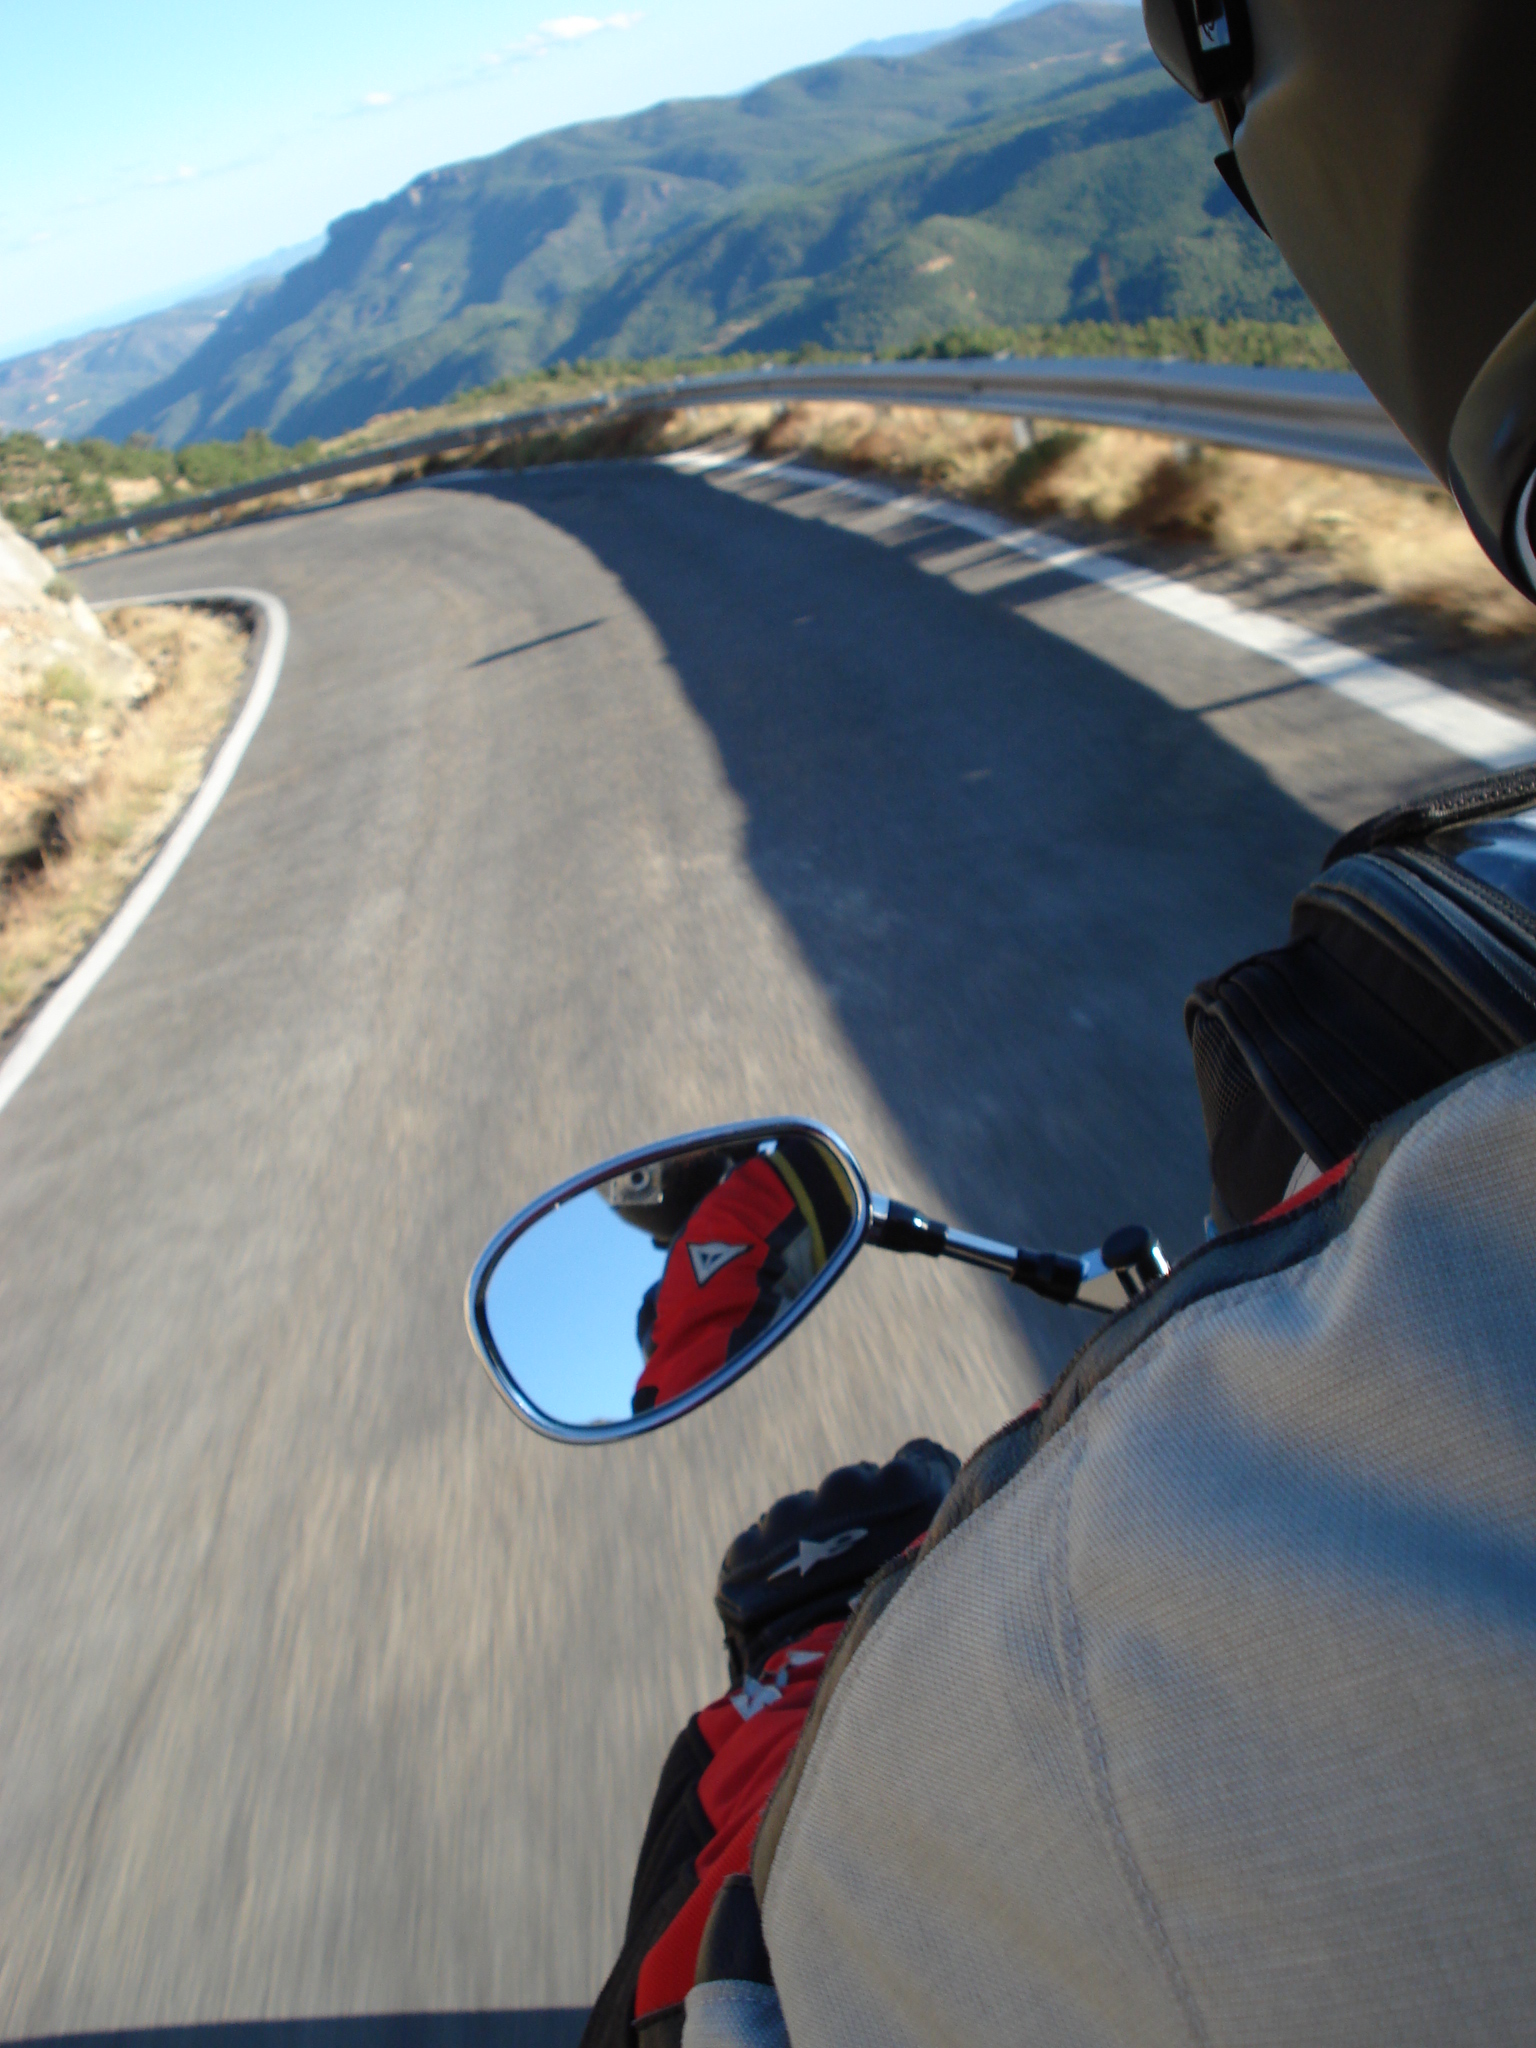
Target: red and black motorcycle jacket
{"x":716,"y":1782}
{"x":748,"y":1249}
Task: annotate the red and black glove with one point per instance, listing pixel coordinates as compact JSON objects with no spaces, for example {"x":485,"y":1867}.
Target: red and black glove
{"x":808,"y":1558}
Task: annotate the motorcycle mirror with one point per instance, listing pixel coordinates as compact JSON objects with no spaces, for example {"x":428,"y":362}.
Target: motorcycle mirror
{"x":633,"y":1293}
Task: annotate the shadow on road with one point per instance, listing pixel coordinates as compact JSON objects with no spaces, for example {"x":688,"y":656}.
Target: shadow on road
{"x":1006,"y":862}
{"x":544,"y":640}
{"x":534,"y":2027}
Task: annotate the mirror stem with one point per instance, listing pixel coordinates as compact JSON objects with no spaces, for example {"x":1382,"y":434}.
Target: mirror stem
{"x":1132,"y":1256}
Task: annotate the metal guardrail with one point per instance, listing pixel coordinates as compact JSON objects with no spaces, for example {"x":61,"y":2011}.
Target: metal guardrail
{"x":446,"y":441}
{"x":1309,"y":415}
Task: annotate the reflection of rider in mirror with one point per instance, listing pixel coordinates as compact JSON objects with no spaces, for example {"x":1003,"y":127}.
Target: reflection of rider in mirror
{"x":745,"y":1235}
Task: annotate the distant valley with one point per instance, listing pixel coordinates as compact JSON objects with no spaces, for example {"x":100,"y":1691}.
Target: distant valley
{"x":61,"y":391}
{"x":1041,"y":168}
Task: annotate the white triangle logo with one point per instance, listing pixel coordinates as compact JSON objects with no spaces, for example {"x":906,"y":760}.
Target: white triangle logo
{"x":709,"y":1258}
{"x":812,"y":1554}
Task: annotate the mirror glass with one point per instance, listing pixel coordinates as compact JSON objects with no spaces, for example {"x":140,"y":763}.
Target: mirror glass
{"x":617,"y":1303}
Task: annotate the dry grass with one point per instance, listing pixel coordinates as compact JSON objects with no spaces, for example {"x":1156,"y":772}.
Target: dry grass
{"x":628,"y":436}
{"x":89,"y":787}
{"x":1408,"y":541}
{"x":368,"y":483}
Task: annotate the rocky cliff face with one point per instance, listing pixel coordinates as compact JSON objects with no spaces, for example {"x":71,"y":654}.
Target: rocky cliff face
{"x":42,"y":624}
{"x":64,"y":688}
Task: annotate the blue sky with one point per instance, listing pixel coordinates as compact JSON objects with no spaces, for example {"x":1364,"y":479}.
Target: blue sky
{"x":562,"y":1306}
{"x":148,"y":149}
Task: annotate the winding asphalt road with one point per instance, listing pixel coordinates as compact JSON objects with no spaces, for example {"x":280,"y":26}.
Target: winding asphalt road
{"x":591,"y":805}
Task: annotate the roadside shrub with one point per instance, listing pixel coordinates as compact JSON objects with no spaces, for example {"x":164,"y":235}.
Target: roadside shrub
{"x":64,"y":684}
{"x":1031,"y":467}
{"x":1179,"y":499}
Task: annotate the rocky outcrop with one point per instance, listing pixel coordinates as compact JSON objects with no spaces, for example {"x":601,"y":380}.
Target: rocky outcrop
{"x":66,"y":688}
{"x":44,"y":626}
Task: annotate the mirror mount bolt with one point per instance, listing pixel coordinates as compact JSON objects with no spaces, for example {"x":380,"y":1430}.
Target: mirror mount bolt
{"x":905,"y":1229}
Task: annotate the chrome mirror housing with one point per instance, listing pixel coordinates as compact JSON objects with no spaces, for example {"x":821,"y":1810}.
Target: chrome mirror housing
{"x":633,"y":1293}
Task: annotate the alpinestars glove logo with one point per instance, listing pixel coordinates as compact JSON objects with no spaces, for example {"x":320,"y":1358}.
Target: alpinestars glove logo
{"x":813,"y":1554}
{"x":707,"y":1259}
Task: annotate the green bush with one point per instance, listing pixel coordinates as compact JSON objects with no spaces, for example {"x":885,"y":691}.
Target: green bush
{"x":64,"y":684}
{"x":215,"y":465}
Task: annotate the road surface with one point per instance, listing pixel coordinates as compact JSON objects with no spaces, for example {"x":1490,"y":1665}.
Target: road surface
{"x":591,"y":805}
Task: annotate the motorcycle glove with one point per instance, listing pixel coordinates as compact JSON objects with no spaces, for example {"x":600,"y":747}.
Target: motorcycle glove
{"x":808,"y":1558}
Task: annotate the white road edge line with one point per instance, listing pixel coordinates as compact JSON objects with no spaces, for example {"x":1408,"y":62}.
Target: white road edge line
{"x":67,"y":998}
{"x":1459,"y":724}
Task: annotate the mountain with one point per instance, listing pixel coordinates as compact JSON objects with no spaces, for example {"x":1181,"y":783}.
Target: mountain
{"x":1101,"y":204}
{"x":62,"y":390}
{"x":910,"y":45}
{"x":478,"y":270}
{"x":1039,"y":168}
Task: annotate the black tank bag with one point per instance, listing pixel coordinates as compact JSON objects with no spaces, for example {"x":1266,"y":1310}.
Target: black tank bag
{"x":1412,"y":959}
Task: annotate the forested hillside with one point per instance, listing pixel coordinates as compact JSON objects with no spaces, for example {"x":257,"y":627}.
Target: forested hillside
{"x":1037,"y":170}
{"x":1100,"y":204}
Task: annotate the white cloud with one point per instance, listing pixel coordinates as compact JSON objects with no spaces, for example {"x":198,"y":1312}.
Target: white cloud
{"x":560,"y":32}
{"x":572,"y":28}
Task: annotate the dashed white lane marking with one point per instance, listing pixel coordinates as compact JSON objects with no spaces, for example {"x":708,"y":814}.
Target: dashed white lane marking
{"x":1459,"y":724}
{"x":66,"y":999}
